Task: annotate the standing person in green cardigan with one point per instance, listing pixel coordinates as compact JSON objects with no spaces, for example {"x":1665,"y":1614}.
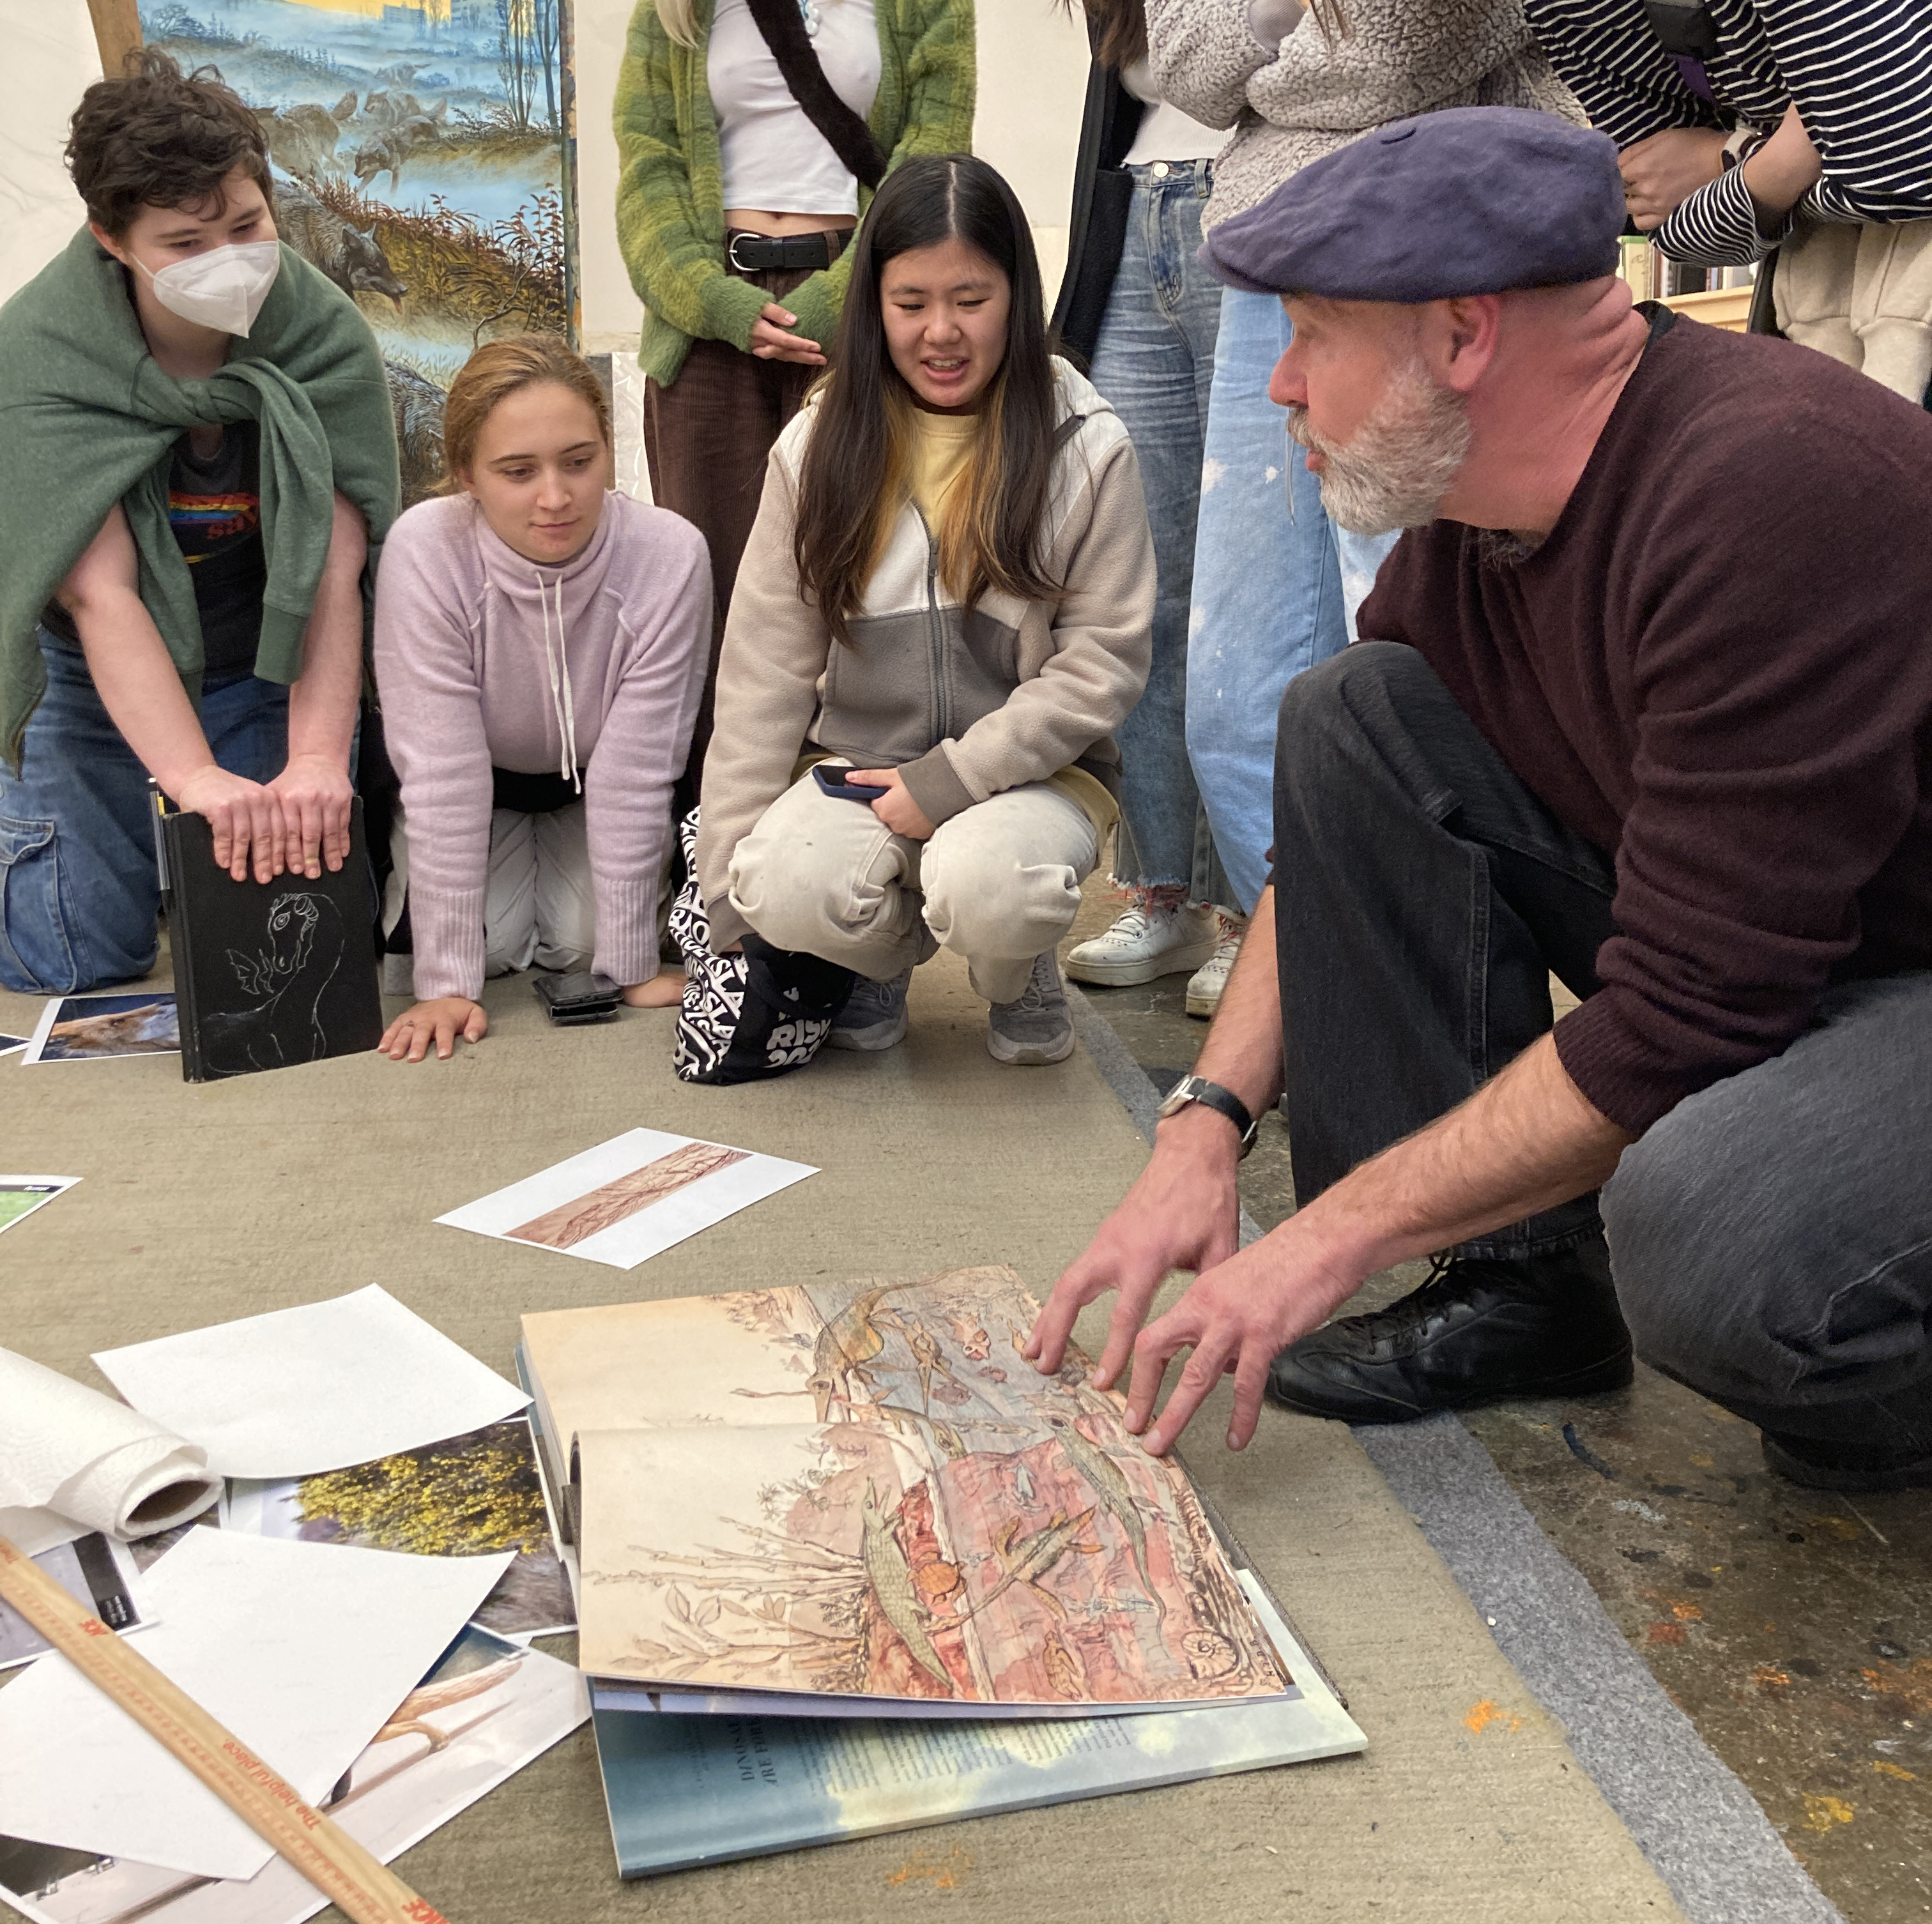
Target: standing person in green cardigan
{"x":733,"y":212}
{"x":201,"y":461}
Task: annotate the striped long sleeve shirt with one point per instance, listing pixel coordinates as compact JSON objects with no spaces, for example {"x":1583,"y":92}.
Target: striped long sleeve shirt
{"x":1858,"y":71}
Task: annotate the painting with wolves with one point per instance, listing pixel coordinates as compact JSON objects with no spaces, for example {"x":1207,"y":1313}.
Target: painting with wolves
{"x":860,"y":1491}
{"x":421,"y":155}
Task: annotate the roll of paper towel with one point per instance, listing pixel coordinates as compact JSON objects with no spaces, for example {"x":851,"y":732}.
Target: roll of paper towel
{"x":72,"y":1459}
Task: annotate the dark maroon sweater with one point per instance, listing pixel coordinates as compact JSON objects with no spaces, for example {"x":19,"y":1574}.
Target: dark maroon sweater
{"x":1718,"y":667}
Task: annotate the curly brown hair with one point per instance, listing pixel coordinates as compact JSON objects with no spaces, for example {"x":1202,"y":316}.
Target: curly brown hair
{"x":157,"y":137}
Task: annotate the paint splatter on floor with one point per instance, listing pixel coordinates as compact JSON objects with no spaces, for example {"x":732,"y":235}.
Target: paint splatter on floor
{"x":942,"y":1873}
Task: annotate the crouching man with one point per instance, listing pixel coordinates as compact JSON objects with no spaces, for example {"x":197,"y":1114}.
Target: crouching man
{"x":200,"y":460}
{"x":1650,"y":709}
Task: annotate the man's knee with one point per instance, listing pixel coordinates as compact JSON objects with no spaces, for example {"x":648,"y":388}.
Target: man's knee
{"x":1341,"y":694}
{"x":1701,"y":1249}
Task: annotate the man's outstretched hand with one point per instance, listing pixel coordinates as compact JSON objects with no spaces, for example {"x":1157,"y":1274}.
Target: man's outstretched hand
{"x":1183,"y":1212}
{"x":1237,"y":1317}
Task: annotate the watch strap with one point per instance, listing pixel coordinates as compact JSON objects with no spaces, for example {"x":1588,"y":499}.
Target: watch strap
{"x":1222,"y":1101}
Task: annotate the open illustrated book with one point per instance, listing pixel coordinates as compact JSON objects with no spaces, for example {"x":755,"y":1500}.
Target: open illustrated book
{"x":857,"y":1500}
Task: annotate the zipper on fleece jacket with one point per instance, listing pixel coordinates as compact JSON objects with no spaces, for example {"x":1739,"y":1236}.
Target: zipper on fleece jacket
{"x":935,"y":631}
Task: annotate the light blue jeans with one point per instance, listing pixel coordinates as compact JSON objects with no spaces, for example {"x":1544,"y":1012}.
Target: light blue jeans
{"x":80,"y":890}
{"x":1154,"y":361}
{"x":1276,"y":587}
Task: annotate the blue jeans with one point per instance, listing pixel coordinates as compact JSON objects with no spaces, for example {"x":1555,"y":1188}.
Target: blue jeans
{"x":1153,"y":361}
{"x":1272,"y":595}
{"x":78,"y":889}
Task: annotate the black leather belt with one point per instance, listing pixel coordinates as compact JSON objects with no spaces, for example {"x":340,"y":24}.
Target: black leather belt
{"x":794,"y":253}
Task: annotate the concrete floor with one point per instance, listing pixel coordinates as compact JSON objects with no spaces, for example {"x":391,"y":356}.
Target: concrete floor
{"x":1793,"y":1627}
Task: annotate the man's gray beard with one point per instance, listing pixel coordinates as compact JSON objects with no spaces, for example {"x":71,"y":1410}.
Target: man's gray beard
{"x":1394,"y":470}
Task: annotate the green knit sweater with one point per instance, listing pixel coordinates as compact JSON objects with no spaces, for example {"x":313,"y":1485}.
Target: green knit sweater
{"x":88,"y":418}
{"x":670,"y":194}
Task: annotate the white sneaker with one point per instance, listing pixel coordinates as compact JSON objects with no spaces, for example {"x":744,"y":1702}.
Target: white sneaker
{"x":1144,"y":944}
{"x":1204,"y":986}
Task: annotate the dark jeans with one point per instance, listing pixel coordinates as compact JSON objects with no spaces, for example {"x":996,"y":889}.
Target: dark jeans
{"x":1771,"y":1237}
{"x":79,"y":891}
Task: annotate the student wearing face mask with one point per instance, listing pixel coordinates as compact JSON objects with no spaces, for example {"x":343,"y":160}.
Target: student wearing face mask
{"x":949,"y":589}
{"x":201,"y":465}
{"x":540,"y":647}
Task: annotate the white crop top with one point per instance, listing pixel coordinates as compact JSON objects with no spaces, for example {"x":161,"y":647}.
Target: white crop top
{"x":1164,"y":134}
{"x":773,"y":158}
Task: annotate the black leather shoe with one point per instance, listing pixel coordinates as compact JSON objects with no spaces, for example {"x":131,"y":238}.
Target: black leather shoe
{"x":1477,"y":1332}
{"x":1824,"y":1466}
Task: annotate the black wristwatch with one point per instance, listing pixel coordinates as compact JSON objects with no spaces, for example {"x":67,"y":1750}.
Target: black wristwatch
{"x":1212,"y":1096}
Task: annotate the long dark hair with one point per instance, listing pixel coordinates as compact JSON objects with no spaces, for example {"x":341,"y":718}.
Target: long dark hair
{"x":858,"y":458}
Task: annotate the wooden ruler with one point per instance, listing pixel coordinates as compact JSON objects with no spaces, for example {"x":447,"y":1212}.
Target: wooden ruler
{"x":328,"y":1857}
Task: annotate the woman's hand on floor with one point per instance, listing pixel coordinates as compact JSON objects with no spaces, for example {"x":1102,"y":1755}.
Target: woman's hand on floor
{"x":771,"y":340}
{"x":665,"y":989}
{"x":895,"y":807}
{"x":441,"y":1021}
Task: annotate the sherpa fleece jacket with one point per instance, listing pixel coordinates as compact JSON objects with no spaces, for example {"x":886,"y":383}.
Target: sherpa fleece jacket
{"x":1313,"y":94}
{"x":670,"y":185}
{"x":964,"y":707}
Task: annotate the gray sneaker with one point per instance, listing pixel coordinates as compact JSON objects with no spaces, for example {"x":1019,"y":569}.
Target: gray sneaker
{"x":1037,"y":1028}
{"x":873,"y":1017}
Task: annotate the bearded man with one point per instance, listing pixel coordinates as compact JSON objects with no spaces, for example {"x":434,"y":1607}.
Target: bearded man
{"x":1650,"y":708}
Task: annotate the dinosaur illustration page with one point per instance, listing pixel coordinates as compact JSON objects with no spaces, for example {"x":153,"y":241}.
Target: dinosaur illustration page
{"x":847,"y":1496}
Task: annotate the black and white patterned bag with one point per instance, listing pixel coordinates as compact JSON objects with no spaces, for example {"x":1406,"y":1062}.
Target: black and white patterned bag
{"x":745,"y":1016}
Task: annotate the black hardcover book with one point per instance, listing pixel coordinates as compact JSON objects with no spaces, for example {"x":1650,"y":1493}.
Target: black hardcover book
{"x":267,"y":973}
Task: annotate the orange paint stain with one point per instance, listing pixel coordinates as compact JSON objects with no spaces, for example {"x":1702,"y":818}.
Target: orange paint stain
{"x":1687,"y":1613}
{"x":1664,"y":1633}
{"x":1768,"y":1677}
{"x":947,"y":1873}
{"x":1482,"y":1715}
{"x":1897,"y":1770}
{"x":1821,"y":1813}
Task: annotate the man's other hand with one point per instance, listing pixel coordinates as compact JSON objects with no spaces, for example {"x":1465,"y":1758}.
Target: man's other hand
{"x":1183,"y":1212}
{"x":246,"y":817}
{"x":1237,"y":1317}
{"x":316,"y":794}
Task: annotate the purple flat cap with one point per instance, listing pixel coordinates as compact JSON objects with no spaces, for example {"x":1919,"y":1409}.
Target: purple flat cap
{"x":1471,"y":200}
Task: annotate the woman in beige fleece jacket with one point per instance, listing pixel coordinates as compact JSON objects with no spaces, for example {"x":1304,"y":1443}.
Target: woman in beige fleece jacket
{"x":949,"y":590}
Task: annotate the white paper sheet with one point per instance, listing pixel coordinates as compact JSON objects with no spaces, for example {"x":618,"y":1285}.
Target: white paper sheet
{"x":322,"y":1387}
{"x":302,"y":1651}
{"x":649,"y":1229}
{"x":150,"y":1025}
{"x":398,"y":1790}
{"x":72,"y":1460}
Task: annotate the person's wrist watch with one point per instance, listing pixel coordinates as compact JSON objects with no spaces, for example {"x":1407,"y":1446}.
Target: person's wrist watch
{"x":1212,"y":1096}
{"x":1744,"y":142}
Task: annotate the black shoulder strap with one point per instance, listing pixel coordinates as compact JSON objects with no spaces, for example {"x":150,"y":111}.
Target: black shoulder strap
{"x":783,"y":28}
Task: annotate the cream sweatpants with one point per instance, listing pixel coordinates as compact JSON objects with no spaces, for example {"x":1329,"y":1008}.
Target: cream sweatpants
{"x":997,"y":884}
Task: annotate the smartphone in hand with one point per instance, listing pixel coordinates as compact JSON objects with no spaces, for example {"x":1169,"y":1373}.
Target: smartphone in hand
{"x":833,"y":781}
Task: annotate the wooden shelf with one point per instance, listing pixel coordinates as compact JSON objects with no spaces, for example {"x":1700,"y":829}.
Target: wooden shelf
{"x":1726,"y":308}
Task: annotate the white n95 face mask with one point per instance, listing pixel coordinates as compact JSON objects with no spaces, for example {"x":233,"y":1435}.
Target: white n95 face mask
{"x":224,"y":288}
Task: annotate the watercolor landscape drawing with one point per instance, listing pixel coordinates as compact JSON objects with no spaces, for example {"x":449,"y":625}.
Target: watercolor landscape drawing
{"x":420,"y":153}
{"x":860,"y":1491}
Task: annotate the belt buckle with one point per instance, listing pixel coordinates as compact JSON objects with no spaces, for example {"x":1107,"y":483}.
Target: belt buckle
{"x":731,"y":253}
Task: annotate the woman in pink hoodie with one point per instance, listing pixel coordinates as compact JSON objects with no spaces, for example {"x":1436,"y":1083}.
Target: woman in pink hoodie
{"x":540,"y":647}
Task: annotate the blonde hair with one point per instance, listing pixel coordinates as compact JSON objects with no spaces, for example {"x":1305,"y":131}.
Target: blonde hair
{"x":494,"y":374}
{"x":678,"y":19}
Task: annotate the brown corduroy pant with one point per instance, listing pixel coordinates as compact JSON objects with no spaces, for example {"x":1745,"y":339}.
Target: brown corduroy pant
{"x":706,"y":436}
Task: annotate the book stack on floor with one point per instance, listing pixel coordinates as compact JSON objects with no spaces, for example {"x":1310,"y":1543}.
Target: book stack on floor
{"x":846,"y":1563}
